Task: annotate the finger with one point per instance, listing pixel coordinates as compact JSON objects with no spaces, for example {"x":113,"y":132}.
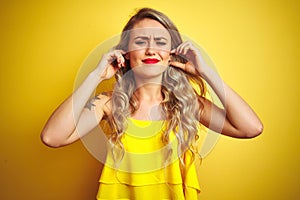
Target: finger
{"x":122,"y":51}
{"x":177,"y":49}
{"x":187,"y":48}
{"x":117,"y":54}
{"x":123,"y":54}
{"x":122,"y":60}
{"x":184,"y":48}
{"x":180,"y":47}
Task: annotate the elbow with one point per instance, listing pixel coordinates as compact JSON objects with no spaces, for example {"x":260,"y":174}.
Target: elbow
{"x":50,"y":141}
{"x":255,"y":131}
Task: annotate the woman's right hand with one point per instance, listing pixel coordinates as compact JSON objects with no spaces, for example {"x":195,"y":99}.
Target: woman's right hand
{"x":106,"y":68}
{"x":70,"y":121}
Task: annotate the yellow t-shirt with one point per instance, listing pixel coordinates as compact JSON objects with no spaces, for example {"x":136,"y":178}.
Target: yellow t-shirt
{"x":143,"y":172}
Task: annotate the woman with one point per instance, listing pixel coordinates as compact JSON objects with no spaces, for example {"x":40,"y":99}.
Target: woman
{"x":159,"y":79}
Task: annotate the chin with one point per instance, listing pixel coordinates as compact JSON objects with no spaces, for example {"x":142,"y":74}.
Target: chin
{"x":147,"y":71}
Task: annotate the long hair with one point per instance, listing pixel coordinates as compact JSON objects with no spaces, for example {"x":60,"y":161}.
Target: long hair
{"x":180,"y":99}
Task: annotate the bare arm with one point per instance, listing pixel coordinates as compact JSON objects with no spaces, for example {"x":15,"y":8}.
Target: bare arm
{"x":237,"y":119}
{"x":71,"y":120}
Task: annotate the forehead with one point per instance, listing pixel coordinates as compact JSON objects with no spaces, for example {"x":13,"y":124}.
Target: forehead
{"x":149,"y":27}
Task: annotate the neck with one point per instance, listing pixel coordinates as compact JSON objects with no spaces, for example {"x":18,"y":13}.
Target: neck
{"x":148,"y":89}
{"x":149,"y":97}
{"x":150,"y":92}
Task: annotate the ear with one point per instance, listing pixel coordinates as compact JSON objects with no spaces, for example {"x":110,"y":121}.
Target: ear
{"x":171,"y":58}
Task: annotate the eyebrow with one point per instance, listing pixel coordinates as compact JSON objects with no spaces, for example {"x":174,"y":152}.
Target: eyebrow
{"x":147,"y":38}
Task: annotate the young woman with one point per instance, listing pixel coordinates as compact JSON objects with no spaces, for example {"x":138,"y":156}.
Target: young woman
{"x":154,"y":111}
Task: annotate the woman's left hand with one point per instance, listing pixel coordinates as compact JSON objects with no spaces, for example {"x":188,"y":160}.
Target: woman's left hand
{"x":195,"y":62}
{"x":236,"y":119}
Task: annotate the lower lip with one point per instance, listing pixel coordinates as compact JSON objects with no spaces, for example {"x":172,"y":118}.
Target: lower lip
{"x":150,"y":61}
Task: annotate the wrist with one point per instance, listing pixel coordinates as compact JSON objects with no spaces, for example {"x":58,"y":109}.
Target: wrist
{"x":95,"y":76}
{"x":204,"y":71}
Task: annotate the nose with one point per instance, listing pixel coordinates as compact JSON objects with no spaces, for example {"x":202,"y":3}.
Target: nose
{"x":150,"y":50}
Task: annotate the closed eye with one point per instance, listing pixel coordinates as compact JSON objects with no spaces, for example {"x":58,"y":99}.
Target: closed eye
{"x":140,"y":42}
{"x":161,"y":43}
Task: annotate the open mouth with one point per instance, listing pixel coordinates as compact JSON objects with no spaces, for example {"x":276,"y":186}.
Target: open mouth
{"x":150,"y":61}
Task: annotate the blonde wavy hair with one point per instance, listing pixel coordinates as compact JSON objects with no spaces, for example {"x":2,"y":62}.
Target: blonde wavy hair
{"x":181,"y":106}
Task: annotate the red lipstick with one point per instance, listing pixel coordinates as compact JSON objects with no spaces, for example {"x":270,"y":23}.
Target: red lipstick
{"x":150,"y":61}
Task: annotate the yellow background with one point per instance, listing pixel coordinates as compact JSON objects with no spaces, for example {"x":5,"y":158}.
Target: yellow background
{"x":254,"y":44}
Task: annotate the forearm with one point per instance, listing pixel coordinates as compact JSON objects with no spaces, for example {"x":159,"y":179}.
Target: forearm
{"x":237,"y":112}
{"x":62,"y":122}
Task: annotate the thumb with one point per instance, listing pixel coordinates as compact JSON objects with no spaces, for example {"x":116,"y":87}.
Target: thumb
{"x":178,"y":64}
{"x":187,"y":67}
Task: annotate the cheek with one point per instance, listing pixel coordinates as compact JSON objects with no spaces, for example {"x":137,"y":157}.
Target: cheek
{"x":134,"y":57}
{"x":165,"y":56}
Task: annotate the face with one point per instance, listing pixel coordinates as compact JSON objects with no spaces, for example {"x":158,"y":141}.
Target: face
{"x":149,"y":47}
